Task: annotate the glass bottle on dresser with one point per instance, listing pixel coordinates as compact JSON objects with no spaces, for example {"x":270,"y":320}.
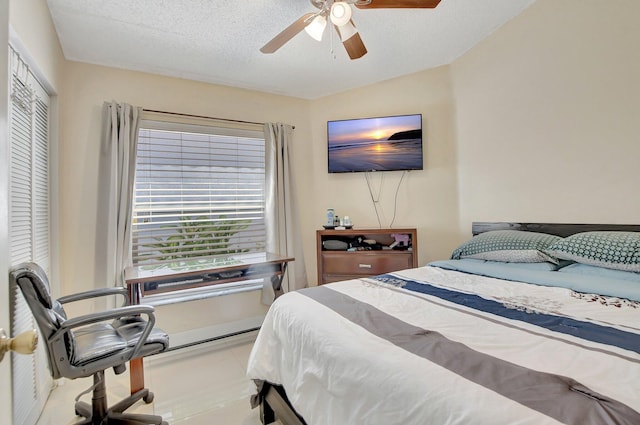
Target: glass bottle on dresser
{"x":330,"y":216}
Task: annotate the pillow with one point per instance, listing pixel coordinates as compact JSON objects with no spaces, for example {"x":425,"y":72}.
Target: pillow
{"x":612,"y":250}
{"x":539,"y":267}
{"x":586,"y":270}
{"x":512,"y":246}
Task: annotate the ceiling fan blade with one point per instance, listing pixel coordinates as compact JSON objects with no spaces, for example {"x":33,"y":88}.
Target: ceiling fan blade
{"x":355,"y":47}
{"x":398,"y":4}
{"x":351,"y":40}
{"x":287,"y":34}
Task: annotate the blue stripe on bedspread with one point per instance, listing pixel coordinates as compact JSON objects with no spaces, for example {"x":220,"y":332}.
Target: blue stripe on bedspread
{"x":566,"y":325}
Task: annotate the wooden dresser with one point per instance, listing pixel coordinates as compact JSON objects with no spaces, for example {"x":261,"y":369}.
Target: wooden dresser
{"x":335,"y":265}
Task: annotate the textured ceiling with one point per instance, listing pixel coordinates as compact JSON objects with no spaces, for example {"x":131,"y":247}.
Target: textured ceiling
{"x":218,"y":41}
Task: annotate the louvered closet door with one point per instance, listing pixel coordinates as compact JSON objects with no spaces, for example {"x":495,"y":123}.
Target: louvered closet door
{"x":29,"y":232}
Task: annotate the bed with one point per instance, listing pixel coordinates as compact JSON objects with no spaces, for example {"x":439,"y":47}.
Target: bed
{"x":527,"y":323}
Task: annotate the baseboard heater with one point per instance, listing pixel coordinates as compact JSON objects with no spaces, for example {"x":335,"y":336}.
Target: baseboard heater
{"x":212,"y":339}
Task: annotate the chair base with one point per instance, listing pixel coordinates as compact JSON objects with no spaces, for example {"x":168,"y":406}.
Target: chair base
{"x":97,"y":413}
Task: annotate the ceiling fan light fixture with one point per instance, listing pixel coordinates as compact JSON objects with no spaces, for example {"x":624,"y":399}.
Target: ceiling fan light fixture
{"x":315,"y":28}
{"x":340,"y":13}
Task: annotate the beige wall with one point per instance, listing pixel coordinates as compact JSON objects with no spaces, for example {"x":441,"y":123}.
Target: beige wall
{"x":426,"y":199}
{"x":31,"y":21}
{"x":547,"y":115}
{"x":85,"y":89}
{"x":434,"y":211}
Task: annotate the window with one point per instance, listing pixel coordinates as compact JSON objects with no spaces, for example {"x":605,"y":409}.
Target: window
{"x":199,"y":190}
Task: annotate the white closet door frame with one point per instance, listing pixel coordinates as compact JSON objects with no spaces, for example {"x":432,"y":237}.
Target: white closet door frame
{"x":5,"y":366}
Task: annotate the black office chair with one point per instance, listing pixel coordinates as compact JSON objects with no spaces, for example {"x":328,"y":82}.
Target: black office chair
{"x":87,"y":345}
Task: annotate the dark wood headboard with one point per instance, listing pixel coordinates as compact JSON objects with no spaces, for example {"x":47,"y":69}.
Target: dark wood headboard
{"x":560,"y":229}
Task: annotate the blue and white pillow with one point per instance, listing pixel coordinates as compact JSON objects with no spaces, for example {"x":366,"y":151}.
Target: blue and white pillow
{"x":511,"y":246}
{"x":613,"y":250}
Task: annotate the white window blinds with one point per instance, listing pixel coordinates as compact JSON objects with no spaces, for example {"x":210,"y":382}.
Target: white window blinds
{"x":199,"y":190}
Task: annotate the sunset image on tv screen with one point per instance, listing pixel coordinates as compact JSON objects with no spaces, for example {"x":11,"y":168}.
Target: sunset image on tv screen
{"x":375,"y":144}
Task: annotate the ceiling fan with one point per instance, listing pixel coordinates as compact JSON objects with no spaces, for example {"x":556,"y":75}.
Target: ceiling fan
{"x":339,"y":13}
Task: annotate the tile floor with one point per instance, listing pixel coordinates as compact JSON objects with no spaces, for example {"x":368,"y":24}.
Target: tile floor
{"x":200,"y":385}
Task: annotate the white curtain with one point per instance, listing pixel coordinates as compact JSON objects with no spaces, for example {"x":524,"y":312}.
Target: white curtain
{"x":121,"y":122}
{"x":283,"y":231}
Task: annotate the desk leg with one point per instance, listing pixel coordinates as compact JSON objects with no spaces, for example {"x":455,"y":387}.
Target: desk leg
{"x":135,"y":293}
{"x":136,"y":375}
{"x":136,"y":367}
{"x":276,"y":280}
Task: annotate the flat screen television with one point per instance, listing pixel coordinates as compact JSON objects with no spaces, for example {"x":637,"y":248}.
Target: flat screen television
{"x":375,"y":144}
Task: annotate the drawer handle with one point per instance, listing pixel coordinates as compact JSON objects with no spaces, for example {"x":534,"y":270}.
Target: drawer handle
{"x":364,"y":266}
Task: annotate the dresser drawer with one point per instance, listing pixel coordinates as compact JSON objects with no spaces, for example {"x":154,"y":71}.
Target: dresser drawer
{"x":336,"y":265}
{"x":365,"y":264}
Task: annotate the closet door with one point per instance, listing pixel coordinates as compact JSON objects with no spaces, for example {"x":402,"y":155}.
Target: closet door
{"x":29,"y":226}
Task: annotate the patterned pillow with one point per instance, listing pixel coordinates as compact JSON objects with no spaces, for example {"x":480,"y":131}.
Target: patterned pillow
{"x":613,"y":250}
{"x":511,"y":246}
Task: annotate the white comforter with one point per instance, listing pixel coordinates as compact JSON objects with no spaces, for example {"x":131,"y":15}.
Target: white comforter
{"x":337,"y":372}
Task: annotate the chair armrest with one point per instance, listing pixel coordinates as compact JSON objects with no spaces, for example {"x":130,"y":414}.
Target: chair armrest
{"x":116,"y":313}
{"x":101,"y":316}
{"x":95,"y":293}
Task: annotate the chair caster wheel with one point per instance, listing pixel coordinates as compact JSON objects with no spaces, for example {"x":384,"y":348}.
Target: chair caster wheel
{"x":148,"y":398}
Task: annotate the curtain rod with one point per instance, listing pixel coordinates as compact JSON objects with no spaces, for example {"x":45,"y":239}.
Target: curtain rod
{"x":206,"y":117}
